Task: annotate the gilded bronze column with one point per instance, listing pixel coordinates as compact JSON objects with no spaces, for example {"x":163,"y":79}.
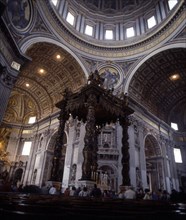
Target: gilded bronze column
{"x":94,"y":165}
{"x":55,"y":174}
{"x":125,"y":152}
{"x":89,"y":139}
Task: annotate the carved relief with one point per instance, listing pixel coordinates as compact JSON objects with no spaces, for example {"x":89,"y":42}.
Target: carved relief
{"x":78,"y":129}
{"x":73,"y":173}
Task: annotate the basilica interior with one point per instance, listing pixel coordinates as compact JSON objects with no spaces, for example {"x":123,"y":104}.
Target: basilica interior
{"x":92,"y":92}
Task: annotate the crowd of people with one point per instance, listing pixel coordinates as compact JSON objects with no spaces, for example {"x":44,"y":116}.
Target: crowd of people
{"x":146,"y":194}
{"x":124,"y":193}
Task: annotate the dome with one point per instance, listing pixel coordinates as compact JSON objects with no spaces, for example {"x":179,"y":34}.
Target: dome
{"x":130,"y":23}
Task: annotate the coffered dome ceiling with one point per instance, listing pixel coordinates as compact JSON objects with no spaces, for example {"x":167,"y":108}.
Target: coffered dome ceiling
{"x":150,"y":86}
{"x":110,"y":8}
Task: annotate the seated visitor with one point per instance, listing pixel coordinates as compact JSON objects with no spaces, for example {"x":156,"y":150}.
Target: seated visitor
{"x":84,"y":192}
{"x":52,"y":190}
{"x":96,"y":192}
{"x":130,"y":193}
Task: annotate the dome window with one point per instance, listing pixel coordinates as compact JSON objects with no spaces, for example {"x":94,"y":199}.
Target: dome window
{"x":70,"y":18}
{"x":54,"y":2}
{"x":151,"y":22}
{"x":89,"y":30}
{"x":130,"y":32}
{"x":172,"y":3}
{"x":109,"y":35}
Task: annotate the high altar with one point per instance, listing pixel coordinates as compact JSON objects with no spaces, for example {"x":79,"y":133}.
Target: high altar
{"x":95,"y":106}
